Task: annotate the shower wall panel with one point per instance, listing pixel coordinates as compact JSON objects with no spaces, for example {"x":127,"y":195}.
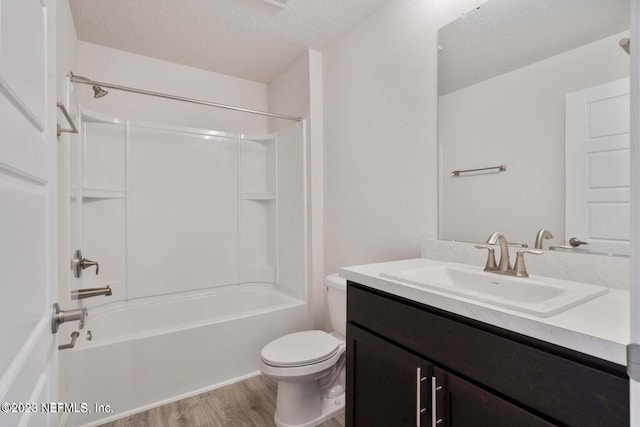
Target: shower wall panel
{"x":183,"y":211}
{"x":292,"y":221}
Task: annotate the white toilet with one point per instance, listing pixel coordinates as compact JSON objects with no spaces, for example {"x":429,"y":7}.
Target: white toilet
{"x":310,"y":366}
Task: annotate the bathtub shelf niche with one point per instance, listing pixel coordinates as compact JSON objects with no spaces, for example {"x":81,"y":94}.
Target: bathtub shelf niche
{"x":258,"y":212}
{"x":258,"y":196}
{"x":104,"y":193}
{"x":102,"y":216}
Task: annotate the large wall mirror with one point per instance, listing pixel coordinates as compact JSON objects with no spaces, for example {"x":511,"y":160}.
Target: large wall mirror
{"x":537,"y":90}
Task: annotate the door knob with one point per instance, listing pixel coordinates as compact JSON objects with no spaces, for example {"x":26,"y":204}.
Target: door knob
{"x":575,"y":242}
{"x":79,"y":263}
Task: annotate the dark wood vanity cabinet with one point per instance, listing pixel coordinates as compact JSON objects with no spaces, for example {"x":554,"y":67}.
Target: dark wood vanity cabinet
{"x":484,"y":375}
{"x":393,"y":386}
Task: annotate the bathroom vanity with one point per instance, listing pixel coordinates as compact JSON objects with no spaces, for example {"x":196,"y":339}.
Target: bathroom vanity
{"x":417,"y":357}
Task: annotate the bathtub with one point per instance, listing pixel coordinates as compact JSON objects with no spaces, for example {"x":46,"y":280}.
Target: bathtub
{"x":148,"y":352}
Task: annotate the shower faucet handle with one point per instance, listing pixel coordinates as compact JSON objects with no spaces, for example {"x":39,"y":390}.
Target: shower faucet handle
{"x":79,"y":263}
{"x":74,"y":337}
{"x":59,"y":317}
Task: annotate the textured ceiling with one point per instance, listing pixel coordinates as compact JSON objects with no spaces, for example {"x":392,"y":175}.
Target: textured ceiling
{"x":249,"y":39}
{"x":504,"y":35}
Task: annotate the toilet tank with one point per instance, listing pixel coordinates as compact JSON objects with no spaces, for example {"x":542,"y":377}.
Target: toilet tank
{"x":337,"y":299}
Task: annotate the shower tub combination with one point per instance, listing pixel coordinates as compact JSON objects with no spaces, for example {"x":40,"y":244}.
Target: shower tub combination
{"x":201,"y":236}
{"x":147,"y":353}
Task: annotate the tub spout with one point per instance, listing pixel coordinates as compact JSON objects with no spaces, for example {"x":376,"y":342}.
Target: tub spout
{"x":91,"y":292}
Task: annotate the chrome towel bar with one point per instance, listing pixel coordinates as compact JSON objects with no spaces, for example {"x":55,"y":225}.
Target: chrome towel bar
{"x":501,"y":168}
{"x":66,"y":115}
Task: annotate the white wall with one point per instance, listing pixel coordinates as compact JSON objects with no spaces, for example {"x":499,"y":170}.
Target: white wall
{"x":380,"y":136}
{"x":127,"y":69}
{"x":517,"y":119}
{"x":289,"y":93}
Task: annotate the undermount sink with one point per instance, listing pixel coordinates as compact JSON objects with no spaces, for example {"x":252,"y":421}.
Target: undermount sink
{"x":540,"y":296}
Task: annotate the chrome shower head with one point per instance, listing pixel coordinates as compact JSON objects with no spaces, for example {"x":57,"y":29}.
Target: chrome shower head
{"x":98,"y":92}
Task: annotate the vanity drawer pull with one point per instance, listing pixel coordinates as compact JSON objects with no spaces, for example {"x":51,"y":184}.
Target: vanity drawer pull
{"x":419,"y":408}
{"x":434,"y":401}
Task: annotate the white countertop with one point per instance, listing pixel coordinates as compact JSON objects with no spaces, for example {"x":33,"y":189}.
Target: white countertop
{"x":600,"y":327}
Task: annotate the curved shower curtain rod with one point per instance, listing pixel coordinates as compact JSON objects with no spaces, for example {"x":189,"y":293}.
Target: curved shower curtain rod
{"x":99,"y":92}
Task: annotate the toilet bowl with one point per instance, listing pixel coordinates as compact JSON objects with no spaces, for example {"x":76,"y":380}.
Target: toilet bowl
{"x":310,"y":367}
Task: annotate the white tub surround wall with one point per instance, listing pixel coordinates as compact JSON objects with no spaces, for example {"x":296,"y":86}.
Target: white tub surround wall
{"x":495,"y":133}
{"x":609,"y":271}
{"x":297,"y":91}
{"x":169,"y":209}
{"x":599,"y":327}
{"x":127,"y":69}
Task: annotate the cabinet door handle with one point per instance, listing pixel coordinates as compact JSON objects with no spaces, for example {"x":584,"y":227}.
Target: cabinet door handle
{"x":419,"y":408}
{"x":434,"y":401}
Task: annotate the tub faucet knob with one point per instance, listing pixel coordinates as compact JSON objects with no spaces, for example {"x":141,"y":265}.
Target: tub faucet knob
{"x":79,"y":263}
{"x":59,"y":317}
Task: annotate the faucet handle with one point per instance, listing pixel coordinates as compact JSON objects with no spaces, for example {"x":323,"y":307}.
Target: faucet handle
{"x":521,"y":269}
{"x":491,"y":257}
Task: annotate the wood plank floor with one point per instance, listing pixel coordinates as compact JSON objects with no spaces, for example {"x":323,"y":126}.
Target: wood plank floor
{"x":248,"y":403}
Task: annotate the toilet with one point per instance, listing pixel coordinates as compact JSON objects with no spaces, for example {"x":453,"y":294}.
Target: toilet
{"x":310,"y":366}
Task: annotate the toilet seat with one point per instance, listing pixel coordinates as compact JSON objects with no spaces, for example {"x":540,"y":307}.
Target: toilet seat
{"x":301,"y":349}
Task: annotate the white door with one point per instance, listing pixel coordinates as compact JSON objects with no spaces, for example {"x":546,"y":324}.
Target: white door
{"x":27,"y":216}
{"x":598,"y":168}
{"x":635,"y":205}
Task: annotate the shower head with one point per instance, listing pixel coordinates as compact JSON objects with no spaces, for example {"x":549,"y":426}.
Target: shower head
{"x":625,"y":43}
{"x":98,"y":92}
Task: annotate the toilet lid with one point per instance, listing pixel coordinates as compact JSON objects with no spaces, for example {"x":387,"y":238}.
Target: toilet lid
{"x":300,"y":348}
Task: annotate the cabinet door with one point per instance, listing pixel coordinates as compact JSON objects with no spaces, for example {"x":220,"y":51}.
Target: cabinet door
{"x":462,"y":404}
{"x":386,"y":385}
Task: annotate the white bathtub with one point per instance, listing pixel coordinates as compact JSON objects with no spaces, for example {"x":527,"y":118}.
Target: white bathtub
{"x":144,"y":353}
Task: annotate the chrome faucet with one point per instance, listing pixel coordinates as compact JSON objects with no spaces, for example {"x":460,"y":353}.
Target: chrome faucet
{"x":504,"y":266}
{"x":497,"y":237}
{"x":543,"y":233}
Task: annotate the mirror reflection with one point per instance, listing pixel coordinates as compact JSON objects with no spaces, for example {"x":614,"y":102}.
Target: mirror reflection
{"x":538,"y":91}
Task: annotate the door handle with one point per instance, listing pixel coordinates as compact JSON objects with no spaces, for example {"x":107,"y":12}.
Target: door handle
{"x":575,"y":242}
{"x":79,"y":263}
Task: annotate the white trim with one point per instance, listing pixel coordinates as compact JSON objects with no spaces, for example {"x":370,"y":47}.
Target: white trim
{"x":182,"y":129}
{"x":15,"y":100}
{"x":9,"y":170}
{"x":305,"y":203}
{"x":634,"y":403}
{"x":316,"y":190}
{"x":167,"y":401}
{"x":276,"y":220}
{"x":14,"y":368}
{"x":128,"y":243}
{"x":35,"y":397}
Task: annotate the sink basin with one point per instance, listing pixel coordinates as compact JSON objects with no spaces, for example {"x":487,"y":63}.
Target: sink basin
{"x":540,"y":296}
